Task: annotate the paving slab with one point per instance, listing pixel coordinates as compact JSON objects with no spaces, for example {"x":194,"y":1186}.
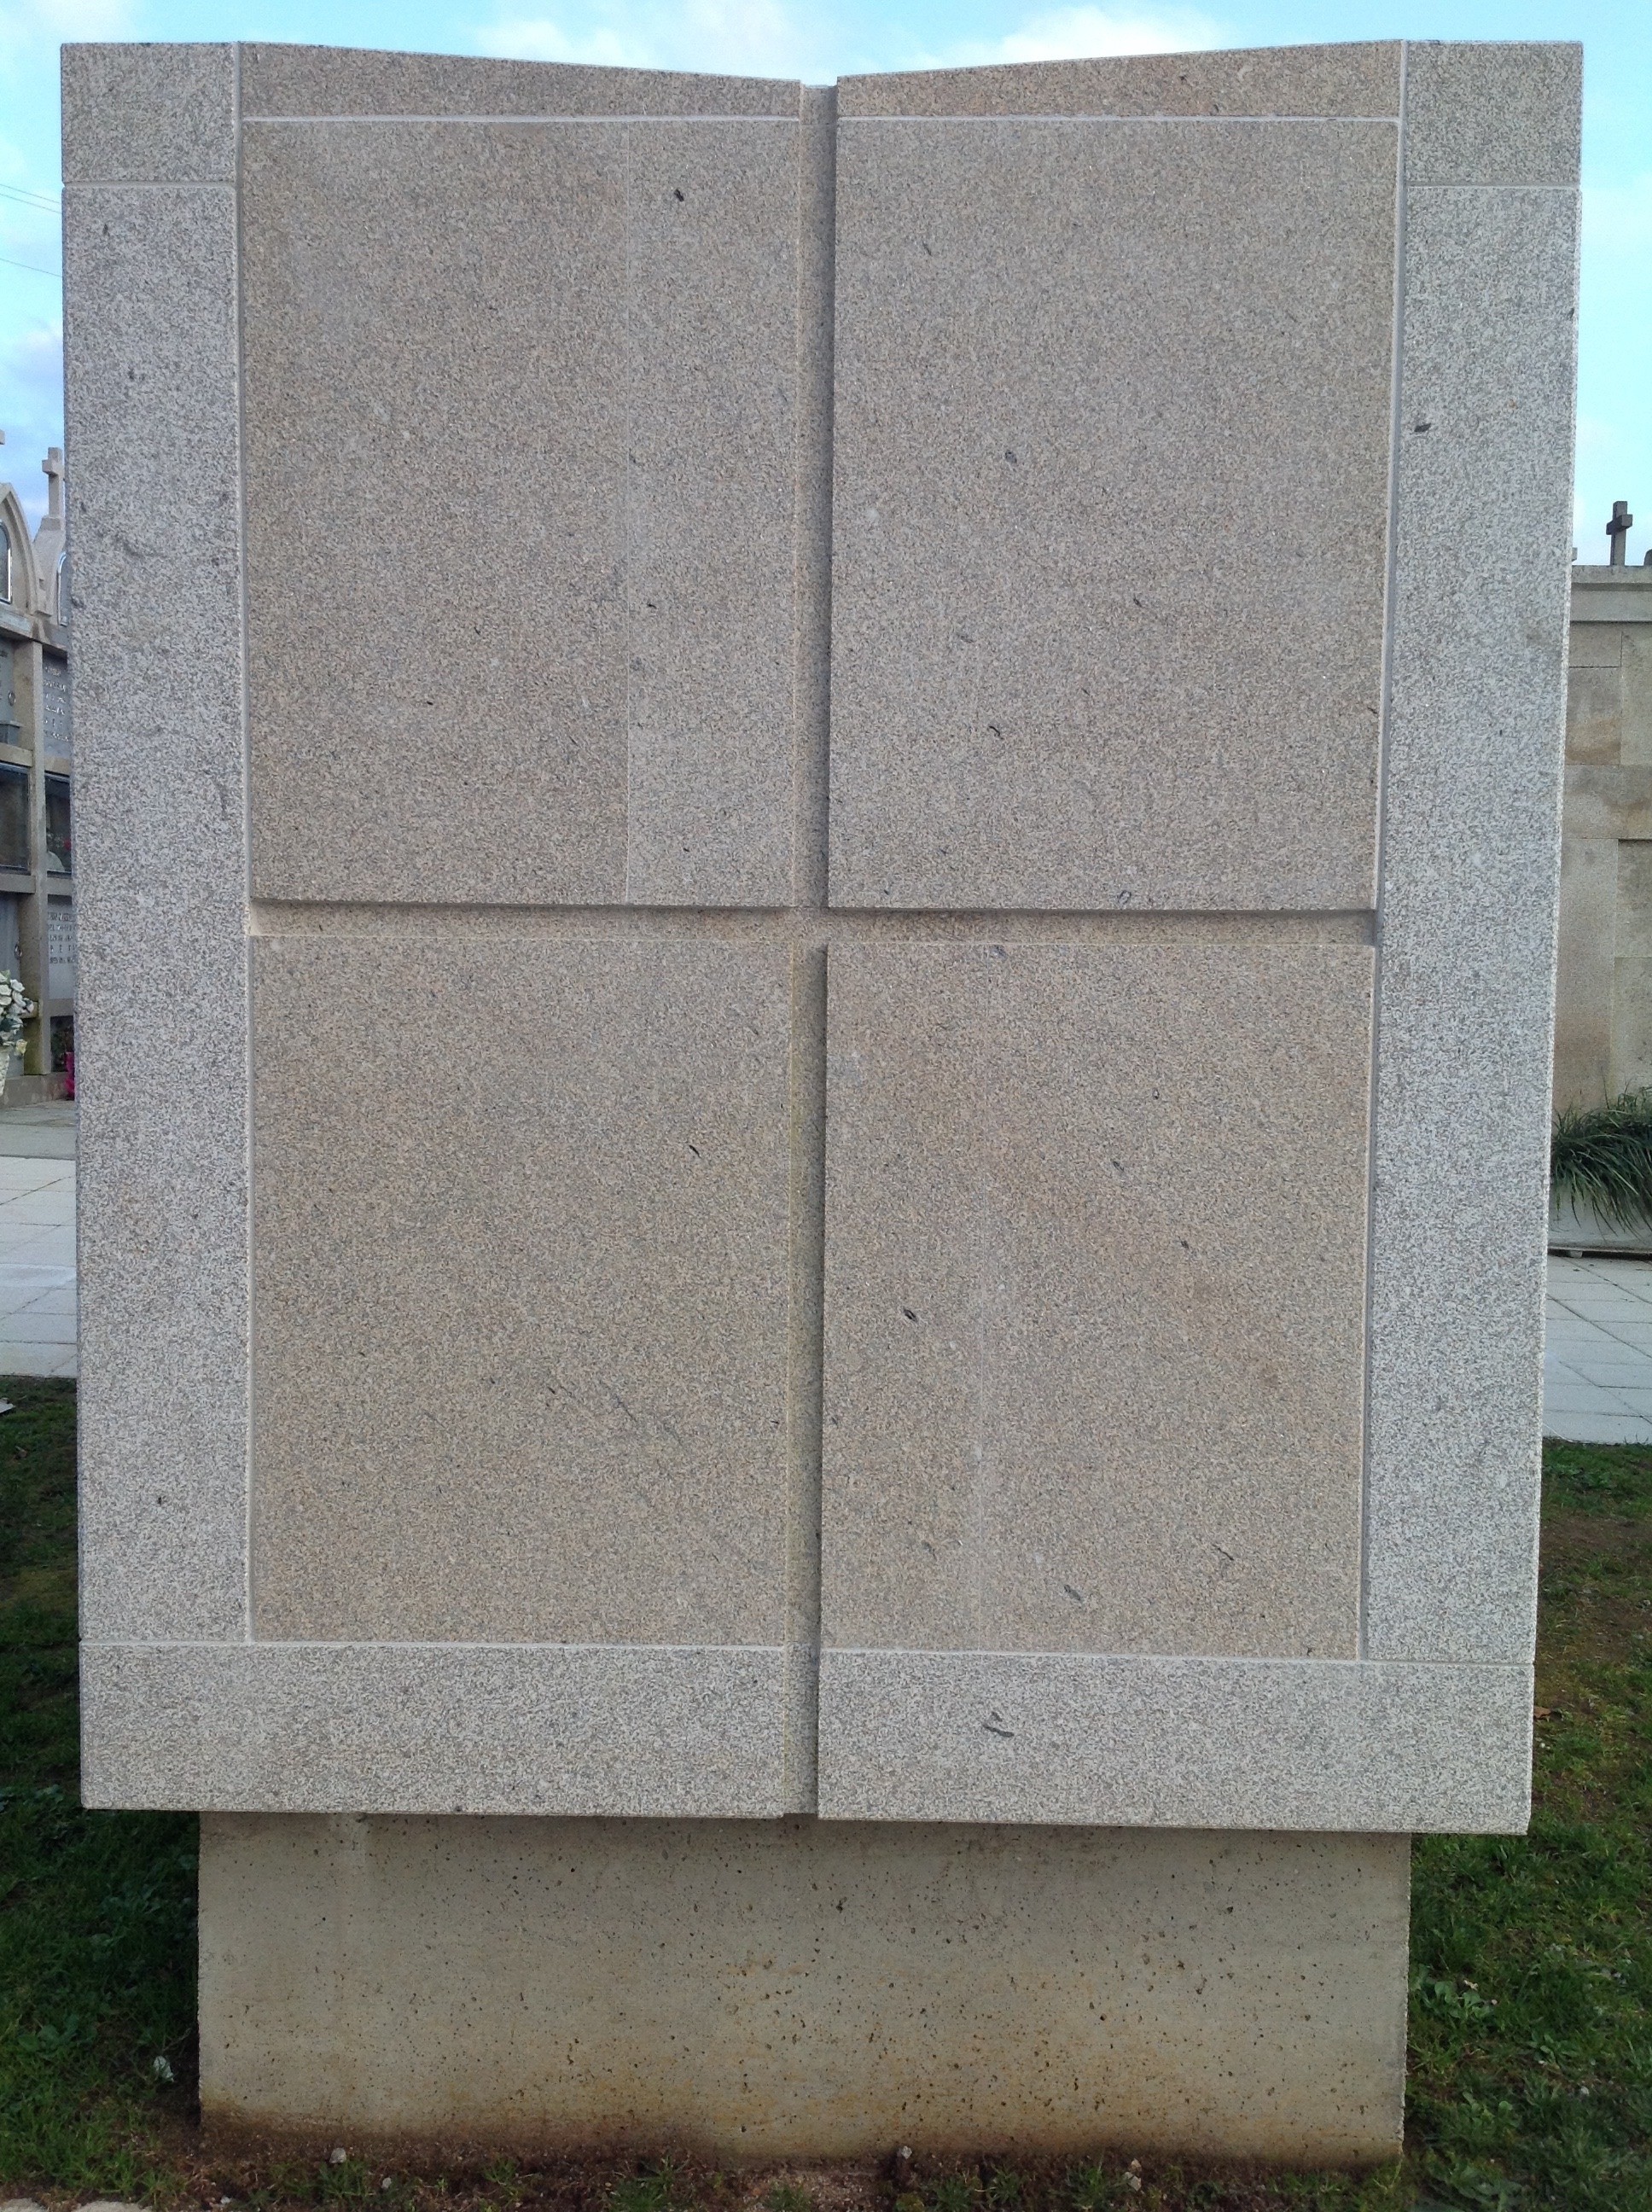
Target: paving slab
{"x":37,"y":1303}
{"x":1597,"y":1368}
{"x":42,"y":1132}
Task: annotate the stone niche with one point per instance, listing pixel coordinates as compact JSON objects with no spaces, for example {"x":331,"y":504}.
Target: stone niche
{"x":812,"y":1230}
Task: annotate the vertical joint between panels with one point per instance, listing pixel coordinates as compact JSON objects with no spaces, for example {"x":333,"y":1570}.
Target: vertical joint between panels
{"x":805,"y":1371}
{"x":1384,"y":721}
{"x":238,"y":279}
{"x":628,"y":506}
{"x":811,"y":705}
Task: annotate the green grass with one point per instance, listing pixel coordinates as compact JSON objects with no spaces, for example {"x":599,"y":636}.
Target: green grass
{"x":97,"y":1909}
{"x":1531,"y":2066}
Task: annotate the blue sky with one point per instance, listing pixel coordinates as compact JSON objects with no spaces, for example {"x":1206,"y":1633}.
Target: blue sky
{"x":820,"y":39}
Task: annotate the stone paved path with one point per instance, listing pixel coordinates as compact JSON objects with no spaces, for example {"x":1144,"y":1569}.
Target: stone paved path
{"x":1597,"y":1369}
{"x":37,"y":1241}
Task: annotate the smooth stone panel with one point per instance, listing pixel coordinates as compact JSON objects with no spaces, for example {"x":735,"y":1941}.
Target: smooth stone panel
{"x":712,"y":327}
{"x":1493,"y":113}
{"x":536,"y":645}
{"x":1470,"y":863}
{"x":1361,"y":1745}
{"x":1095,"y":1297}
{"x":1337,"y":80}
{"x":521,"y":1331}
{"x":1584,"y":972}
{"x":791,"y":1990}
{"x":321,"y":81}
{"x":1637,"y":723}
{"x":1595,"y":705}
{"x":453,"y":1727}
{"x":161,"y":1017}
{"x":148,"y":114}
{"x":1085,"y":604}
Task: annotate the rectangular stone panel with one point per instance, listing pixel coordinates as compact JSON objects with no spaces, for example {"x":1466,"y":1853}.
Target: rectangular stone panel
{"x":1112,"y":434}
{"x":1095,"y":1297}
{"x":1470,"y":864}
{"x":949,"y":1986}
{"x":1354,"y":79}
{"x":1493,"y":112}
{"x":313,"y":81}
{"x":1638,"y":693}
{"x":520,"y":482}
{"x":457,"y":1727}
{"x":160,"y":817}
{"x":148,"y":114}
{"x":1595,"y":705}
{"x":521,"y":1289}
{"x":1374,"y":1748}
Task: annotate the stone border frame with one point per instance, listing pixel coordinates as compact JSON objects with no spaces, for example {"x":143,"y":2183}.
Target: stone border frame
{"x":1429,"y":1727}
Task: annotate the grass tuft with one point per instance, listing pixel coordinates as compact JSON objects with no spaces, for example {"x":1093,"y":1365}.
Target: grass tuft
{"x":1601,"y":1156}
{"x":657,"y":2188}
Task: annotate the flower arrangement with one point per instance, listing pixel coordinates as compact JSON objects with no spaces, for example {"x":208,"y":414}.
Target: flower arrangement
{"x":16,"y":1008}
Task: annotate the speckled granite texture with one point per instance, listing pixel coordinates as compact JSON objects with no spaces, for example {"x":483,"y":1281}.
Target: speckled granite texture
{"x":160,"y":1019}
{"x":901,"y":870}
{"x":449,"y":1728}
{"x":1471,"y":876}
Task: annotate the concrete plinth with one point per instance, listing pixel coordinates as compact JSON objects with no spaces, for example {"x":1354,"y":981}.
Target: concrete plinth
{"x":748,"y":1990}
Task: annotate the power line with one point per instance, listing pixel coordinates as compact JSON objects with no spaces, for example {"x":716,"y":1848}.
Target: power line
{"x":32,"y":269}
{"x":47,"y":201}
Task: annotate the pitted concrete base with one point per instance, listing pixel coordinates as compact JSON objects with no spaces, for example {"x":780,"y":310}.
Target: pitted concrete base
{"x":803,"y":1990}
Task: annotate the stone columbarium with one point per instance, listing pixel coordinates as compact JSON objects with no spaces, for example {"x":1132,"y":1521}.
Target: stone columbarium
{"x":812,"y":1228}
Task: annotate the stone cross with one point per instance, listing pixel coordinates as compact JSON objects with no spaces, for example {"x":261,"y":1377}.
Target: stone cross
{"x":1618,"y":530}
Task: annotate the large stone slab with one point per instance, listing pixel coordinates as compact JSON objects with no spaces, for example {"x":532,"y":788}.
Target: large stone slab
{"x":796,"y":1989}
{"x":1471,"y":865}
{"x":160,"y":817}
{"x":1095,"y":1297}
{"x":520,"y":478}
{"x":1370,"y":1746}
{"x":148,"y":114}
{"x":1142,"y":529}
{"x":1338,"y":80}
{"x":1112,"y":434}
{"x":696,"y":1731}
{"x":521,"y":1337}
{"x":333,"y":81}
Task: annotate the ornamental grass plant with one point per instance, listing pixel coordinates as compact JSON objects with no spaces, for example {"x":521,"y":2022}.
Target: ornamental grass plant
{"x":1601,"y":1156}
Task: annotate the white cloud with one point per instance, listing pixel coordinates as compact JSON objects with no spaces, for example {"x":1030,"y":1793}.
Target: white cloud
{"x":46,"y":23}
{"x":538,"y":38}
{"x":31,"y":375}
{"x":789,"y":38}
{"x":1076,"y":33}
{"x":741,"y":37}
